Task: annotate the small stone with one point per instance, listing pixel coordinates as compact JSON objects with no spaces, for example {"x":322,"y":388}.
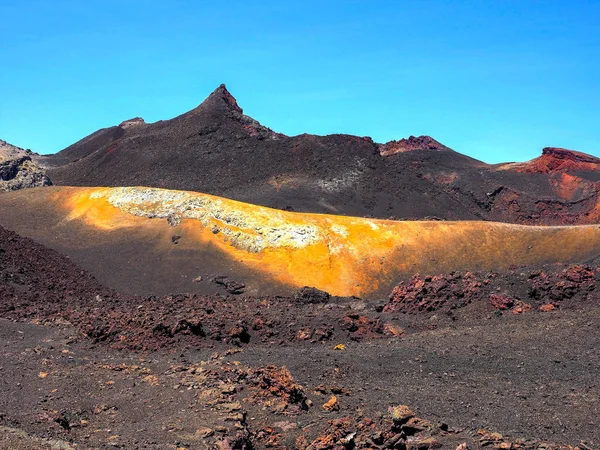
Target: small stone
{"x":401,"y":413}
{"x":308,"y":295}
{"x":238,"y":417}
{"x":429,"y":443}
{"x":392,"y":330}
{"x":228,"y":389}
{"x":304,"y":335}
{"x":501,"y":302}
{"x":332,"y":404}
{"x":286,"y":426}
{"x":204,"y":432}
{"x":235,"y":406}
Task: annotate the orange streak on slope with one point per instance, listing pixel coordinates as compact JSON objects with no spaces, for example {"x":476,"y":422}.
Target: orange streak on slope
{"x":343,"y":255}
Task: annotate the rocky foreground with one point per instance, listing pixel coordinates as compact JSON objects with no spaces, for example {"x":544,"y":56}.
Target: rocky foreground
{"x":462,"y":360}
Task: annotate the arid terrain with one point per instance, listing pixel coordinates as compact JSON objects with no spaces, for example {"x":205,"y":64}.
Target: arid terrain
{"x":205,"y":282}
{"x":441,"y":363}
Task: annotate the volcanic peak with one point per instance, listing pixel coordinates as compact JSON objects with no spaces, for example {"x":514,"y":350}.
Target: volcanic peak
{"x":410,"y":144}
{"x":221,"y":100}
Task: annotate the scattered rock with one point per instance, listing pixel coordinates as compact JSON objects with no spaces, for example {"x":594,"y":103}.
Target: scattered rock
{"x":332,"y":404}
{"x":233,"y":287}
{"x":401,"y":414}
{"x":204,"y":432}
{"x":501,"y":302}
{"x":311,"y":295}
{"x":434,"y":292}
{"x":304,"y":334}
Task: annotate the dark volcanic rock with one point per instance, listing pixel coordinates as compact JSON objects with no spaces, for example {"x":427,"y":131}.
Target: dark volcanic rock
{"x":311,"y":295}
{"x":18,"y":171}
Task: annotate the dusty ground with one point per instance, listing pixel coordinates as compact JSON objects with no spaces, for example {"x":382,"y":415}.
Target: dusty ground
{"x":84,"y":367}
{"x":526,"y":377}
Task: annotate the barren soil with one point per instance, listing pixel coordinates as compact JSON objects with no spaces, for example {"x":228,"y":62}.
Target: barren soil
{"x":85,"y":367}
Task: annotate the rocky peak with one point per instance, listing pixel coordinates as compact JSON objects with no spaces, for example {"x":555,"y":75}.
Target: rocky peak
{"x":410,"y":144}
{"x":132,"y":122}
{"x":221,"y":101}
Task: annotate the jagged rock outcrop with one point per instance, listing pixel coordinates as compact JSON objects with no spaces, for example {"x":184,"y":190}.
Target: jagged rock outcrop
{"x":132,"y":122}
{"x":18,"y":171}
{"x":410,"y":144}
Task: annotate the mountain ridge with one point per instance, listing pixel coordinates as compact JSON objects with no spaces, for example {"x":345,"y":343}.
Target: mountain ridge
{"x":217,"y":149}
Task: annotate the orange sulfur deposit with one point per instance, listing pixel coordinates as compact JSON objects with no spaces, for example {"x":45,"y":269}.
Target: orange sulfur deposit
{"x":343,"y":255}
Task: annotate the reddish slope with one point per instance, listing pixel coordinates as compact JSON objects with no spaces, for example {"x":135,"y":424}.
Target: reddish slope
{"x":557,"y":160}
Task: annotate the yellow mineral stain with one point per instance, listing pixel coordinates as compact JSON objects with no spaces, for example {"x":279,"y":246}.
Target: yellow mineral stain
{"x":343,"y":255}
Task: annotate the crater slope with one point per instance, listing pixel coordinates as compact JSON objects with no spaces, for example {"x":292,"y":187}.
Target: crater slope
{"x":152,"y":241}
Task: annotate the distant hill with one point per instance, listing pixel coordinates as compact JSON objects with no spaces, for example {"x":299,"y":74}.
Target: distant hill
{"x":217,"y":149}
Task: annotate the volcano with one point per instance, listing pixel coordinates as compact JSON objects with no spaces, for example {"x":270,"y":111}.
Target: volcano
{"x":216,"y":149}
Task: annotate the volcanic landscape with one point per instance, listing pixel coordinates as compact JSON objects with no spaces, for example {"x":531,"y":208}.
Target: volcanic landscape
{"x":205,"y":282}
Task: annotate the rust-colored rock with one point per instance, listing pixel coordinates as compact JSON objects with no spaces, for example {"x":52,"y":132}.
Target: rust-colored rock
{"x":501,"y":301}
{"x":332,"y":404}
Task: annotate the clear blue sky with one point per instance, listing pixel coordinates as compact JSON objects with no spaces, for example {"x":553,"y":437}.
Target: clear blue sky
{"x":497,"y":80}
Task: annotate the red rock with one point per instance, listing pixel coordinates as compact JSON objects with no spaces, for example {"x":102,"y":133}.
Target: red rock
{"x":501,"y":302}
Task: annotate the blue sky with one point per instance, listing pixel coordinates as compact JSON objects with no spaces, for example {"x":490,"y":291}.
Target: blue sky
{"x":497,"y":80}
